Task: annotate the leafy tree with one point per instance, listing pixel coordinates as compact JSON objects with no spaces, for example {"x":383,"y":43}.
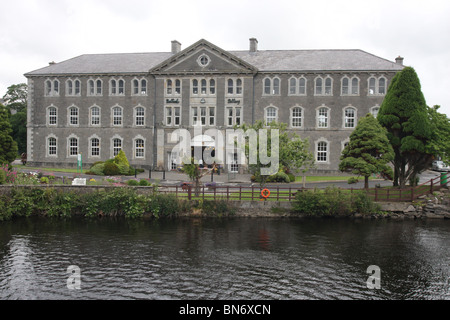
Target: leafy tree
{"x":16,"y":97}
{"x":440,"y":144}
{"x":122,"y":162}
{"x":19,"y":130}
{"x":8,"y":147}
{"x":293,"y":152}
{"x":194,"y":173}
{"x":405,"y":116}
{"x":368,"y":151}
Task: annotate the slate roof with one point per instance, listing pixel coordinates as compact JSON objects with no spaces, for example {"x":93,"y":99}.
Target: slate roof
{"x":264,"y":61}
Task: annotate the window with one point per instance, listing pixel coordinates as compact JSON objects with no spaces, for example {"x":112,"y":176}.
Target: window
{"x":204,"y":116}
{"x":52,"y":114}
{"x":139,"y":149}
{"x":271,"y":115}
{"x":139,"y":116}
{"x":117,"y":87}
{"x":272,"y":86}
{"x":324,"y":87}
{"x":349,"y":118}
{"x":139,"y":87}
{"x":374,"y":111}
{"x":238,"y":86}
{"x":230,"y":86}
{"x":117,"y":116}
{"x":73,"y":146}
{"x":297,"y":86}
{"x":73,"y":116}
{"x":234,"y":86}
{"x":350,"y":86}
{"x":73,"y":87}
{"x":322,"y":151}
{"x":233,"y":116}
{"x":212,"y":86}
{"x":322,"y":117}
{"x":95,"y":87}
{"x":204,"y":86}
{"x":51,"y":88}
{"x":94,"y":146}
{"x":52,"y":146}
{"x":173,"y":116}
{"x":296,"y":117}
{"x":169,"y":87}
{"x":195,"y":86}
{"x":117,"y":146}
{"x":177,"y":86}
{"x":377,"y":86}
{"x":94,"y":116}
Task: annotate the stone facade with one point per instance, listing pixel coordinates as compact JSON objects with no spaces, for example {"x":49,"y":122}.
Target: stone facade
{"x":98,"y":104}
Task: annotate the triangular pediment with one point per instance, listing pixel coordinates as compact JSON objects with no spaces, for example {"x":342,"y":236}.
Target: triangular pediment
{"x":203,"y":58}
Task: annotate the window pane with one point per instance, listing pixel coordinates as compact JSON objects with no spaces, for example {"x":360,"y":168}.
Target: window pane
{"x":345,"y":86}
{"x":328,"y":86}
{"x":195,"y":87}
{"x":230,"y":86}
{"x":276,"y":86}
{"x":238,"y":86}
{"x":302,"y":86}
{"x":319,"y":86}
{"x":267,"y":85}
{"x":323,"y":118}
{"x":372,"y":86}
{"x":177,"y":86}
{"x":212,"y":86}
{"x":355,"y":86}
{"x":144,"y":86}
{"x":382,"y":86}
{"x":203,"y":86}
{"x":292,"y":86}
{"x":99,"y":87}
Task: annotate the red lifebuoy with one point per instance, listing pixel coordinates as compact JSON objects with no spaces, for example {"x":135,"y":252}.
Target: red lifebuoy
{"x":265,"y":193}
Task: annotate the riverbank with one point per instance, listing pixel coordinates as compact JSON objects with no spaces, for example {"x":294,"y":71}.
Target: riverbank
{"x":145,"y":202}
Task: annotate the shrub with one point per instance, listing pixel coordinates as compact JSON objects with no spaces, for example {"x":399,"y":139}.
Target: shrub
{"x":44,"y":180}
{"x":144,"y":183}
{"x":291,"y":177}
{"x":132,"y":182}
{"x":122,"y":162}
{"x":2,"y":176}
{"x":164,"y":205}
{"x":111,"y":169}
{"x":352,"y":180}
{"x":98,"y":169}
{"x":96,"y":163}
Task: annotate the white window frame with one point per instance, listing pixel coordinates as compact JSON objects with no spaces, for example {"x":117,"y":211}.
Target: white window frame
{"x":49,"y":116}
{"x":318,"y":144}
{"x":90,"y":147}
{"x":318,"y":117}
{"x":266,"y":110}
{"x":113,"y":147}
{"x":346,"y":119}
{"x":91,"y":116}
{"x":136,"y":148}
{"x":372,"y":110}
{"x":234,"y":115}
{"x":113,"y":116}
{"x":292,"y":117}
{"x":47,"y":146}
{"x":207,"y":115}
{"x":71,"y":116}
{"x":69,"y":146}
{"x":137,"y":116}
{"x":172,"y":116}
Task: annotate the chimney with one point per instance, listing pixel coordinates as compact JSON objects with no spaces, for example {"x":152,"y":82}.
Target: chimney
{"x":176,"y":47}
{"x":399,"y":60}
{"x":253,"y":45}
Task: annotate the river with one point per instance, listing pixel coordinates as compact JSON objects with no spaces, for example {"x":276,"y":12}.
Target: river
{"x":232,"y":258}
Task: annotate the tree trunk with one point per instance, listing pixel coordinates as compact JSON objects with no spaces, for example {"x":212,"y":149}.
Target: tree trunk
{"x":366,"y":182}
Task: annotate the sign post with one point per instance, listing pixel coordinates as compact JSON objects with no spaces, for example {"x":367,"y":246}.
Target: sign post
{"x":79,"y":163}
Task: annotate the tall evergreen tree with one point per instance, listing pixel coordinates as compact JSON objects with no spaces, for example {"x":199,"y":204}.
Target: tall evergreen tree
{"x":405,"y":116}
{"x":368,"y":151}
{"x":8,"y":147}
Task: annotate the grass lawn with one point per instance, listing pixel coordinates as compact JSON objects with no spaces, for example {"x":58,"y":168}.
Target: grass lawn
{"x":329,"y":178}
{"x":69,"y":170}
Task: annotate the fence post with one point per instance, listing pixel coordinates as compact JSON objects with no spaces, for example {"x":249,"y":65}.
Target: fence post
{"x":278,"y":193}
{"x":412,"y":194}
{"x":228,"y":193}
{"x":203,"y":192}
{"x":290,"y":193}
{"x":252,"y":192}
{"x":240,"y":193}
{"x":376,"y":194}
{"x":189,"y":192}
{"x":431,"y":186}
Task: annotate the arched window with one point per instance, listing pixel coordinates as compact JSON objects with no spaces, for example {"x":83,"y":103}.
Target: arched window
{"x":212,"y":86}
{"x":328,"y":86}
{"x":95,"y":116}
{"x":195,"y":86}
{"x":302,"y":86}
{"x":139,"y":116}
{"x":117,"y":146}
{"x":117,"y":116}
{"x":73,"y":116}
{"x":296,"y":117}
{"x":230,"y":86}
{"x":292,"y":86}
{"x":94,"y":147}
{"x":318,"y":86}
{"x":139,"y":148}
{"x":322,"y":117}
{"x":73,"y":146}
{"x":355,"y":86}
{"x":267,"y":86}
{"x":322,"y":151}
{"x":276,"y":86}
{"x":271,"y":115}
{"x":349,"y":118}
{"x":52,"y":114}
{"x":204,"y":87}
{"x":238,"y":86}
{"x":52,"y":147}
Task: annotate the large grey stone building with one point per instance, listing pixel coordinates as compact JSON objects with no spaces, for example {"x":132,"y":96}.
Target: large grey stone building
{"x":97,"y":104}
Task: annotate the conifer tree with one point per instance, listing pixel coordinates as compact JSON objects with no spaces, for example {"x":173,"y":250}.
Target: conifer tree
{"x":405,"y":116}
{"x":8,"y":147}
{"x":368,"y":151}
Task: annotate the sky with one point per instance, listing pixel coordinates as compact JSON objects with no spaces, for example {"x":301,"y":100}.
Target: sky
{"x":36,"y":32}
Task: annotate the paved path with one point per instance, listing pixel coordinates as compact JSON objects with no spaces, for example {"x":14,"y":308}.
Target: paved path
{"x":173,"y":178}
